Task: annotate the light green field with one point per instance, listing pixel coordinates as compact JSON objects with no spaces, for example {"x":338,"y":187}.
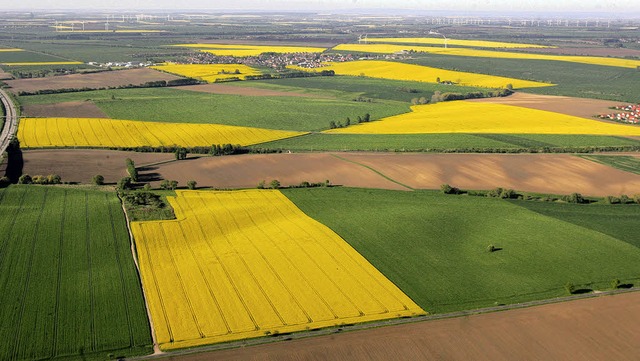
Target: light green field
{"x":434,"y":246}
{"x":69,"y":286}
{"x":174,"y":105}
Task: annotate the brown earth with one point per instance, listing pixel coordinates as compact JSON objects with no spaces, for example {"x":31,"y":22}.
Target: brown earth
{"x":238,"y":90}
{"x":543,"y":173}
{"x":93,"y":80}
{"x":81,"y":109}
{"x":5,"y":76}
{"x":80,"y":165}
{"x":579,"y":107}
{"x":613,"y":52}
{"x":601,"y":328}
{"x":246,"y":171}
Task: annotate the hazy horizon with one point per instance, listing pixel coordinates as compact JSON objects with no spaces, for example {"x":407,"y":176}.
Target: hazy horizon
{"x":469,"y":6}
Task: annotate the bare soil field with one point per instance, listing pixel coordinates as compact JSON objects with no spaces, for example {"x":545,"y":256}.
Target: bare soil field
{"x":238,"y":90}
{"x":5,"y":76}
{"x":579,"y":107}
{"x":543,"y":173}
{"x":246,"y":171}
{"x":613,"y":52}
{"x":80,"y":165}
{"x":83,"y":109}
{"x":93,"y":80}
{"x":601,"y":328}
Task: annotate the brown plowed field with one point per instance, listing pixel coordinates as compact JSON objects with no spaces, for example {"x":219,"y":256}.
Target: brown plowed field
{"x":82,"y":164}
{"x":601,"y":328}
{"x":544,"y":173}
{"x":578,"y":107}
{"x":239,"y":90}
{"x":246,"y":171}
{"x":93,"y":80}
{"x":5,"y":76}
{"x":85,"y":109}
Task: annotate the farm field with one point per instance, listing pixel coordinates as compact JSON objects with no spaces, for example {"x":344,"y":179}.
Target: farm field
{"x":208,"y":72}
{"x":391,"y":49}
{"x":70,"y":288}
{"x":416,"y":238}
{"x":458,"y":42}
{"x":77,"y":109}
{"x":543,"y":173}
{"x":179,"y":106}
{"x":80,"y":165}
{"x":350,"y":87}
{"x":110,"y":133}
{"x":240,"y":50}
{"x":579,"y":107}
{"x":626,"y":163}
{"x":93,"y":80}
{"x":468,"y":117}
{"x":22,"y":56}
{"x":409,"y":72}
{"x":446,"y":142}
{"x":593,"y":329}
{"x":603,"y":82}
{"x":230,"y":89}
{"x":292,"y":274}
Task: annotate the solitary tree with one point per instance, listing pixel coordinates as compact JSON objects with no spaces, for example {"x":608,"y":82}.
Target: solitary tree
{"x":275,"y":184}
{"x":192,"y":184}
{"x":98,"y":180}
{"x":181,"y":153}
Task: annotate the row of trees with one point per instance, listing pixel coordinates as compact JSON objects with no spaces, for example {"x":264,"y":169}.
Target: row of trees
{"x":149,"y":84}
{"x":40,"y":179}
{"x":275,"y":184}
{"x":361,"y":119}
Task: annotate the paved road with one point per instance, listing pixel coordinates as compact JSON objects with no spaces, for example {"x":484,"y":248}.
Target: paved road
{"x":11,"y":121}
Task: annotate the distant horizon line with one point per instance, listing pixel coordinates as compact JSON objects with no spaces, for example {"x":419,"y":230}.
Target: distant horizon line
{"x":351,"y":11}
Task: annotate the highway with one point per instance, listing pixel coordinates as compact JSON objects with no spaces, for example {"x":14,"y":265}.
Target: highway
{"x":11,"y":121}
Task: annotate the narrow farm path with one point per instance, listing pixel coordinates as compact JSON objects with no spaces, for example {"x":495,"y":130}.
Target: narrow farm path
{"x":11,"y":121}
{"x":373,"y":170}
{"x":134,"y":254}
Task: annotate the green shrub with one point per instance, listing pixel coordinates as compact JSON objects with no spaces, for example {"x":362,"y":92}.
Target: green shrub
{"x":98,"y":180}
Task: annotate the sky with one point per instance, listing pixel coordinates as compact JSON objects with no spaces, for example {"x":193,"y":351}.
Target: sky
{"x":329,"y":5}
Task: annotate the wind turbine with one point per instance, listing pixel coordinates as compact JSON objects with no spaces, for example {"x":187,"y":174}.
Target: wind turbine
{"x":362,"y":38}
{"x":431,"y":32}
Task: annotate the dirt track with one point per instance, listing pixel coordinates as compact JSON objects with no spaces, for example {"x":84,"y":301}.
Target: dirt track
{"x":579,"y":107}
{"x":602,"y":328}
{"x":85,"y":109}
{"x":544,"y":173}
{"x":94,"y":80}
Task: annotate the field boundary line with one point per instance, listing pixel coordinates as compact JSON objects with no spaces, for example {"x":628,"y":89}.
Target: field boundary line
{"x":372,"y":169}
{"x":371,"y":325}
{"x":134,"y":254}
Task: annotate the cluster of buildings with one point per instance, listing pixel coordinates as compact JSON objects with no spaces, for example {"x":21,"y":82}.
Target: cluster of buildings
{"x":630,"y":114}
{"x":270,"y":60}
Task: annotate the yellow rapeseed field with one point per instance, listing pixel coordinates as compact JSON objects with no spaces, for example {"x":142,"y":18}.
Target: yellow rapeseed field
{"x":392,"y":49}
{"x":208,"y":72}
{"x":249,"y":50}
{"x":244,"y":264}
{"x":401,"y":71}
{"x":43,"y":63}
{"x":10,"y":49}
{"x":96,"y":132}
{"x":441,"y":41}
{"x":471,"y":117}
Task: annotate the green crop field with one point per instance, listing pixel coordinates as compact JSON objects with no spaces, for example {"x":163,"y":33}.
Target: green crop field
{"x":444,"y":142}
{"x":69,"y":286}
{"x":27,"y":56}
{"x":174,"y":105}
{"x":618,"y":221}
{"x":625,"y":163}
{"x":351,"y":86}
{"x":434,"y":246}
{"x":572,"y":79}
